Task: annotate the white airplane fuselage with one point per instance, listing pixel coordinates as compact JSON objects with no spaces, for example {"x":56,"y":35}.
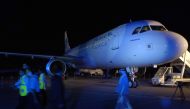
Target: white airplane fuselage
{"x":140,"y":43}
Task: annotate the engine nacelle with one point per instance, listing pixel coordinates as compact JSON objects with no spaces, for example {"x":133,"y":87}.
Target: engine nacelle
{"x":54,"y":65}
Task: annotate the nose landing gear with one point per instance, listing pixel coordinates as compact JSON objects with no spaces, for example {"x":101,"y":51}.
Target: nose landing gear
{"x":133,"y":83}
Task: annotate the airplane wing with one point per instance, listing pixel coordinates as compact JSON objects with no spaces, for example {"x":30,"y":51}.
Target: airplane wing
{"x":70,"y":59}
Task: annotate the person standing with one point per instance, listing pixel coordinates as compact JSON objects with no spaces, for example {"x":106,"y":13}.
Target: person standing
{"x":21,"y":84}
{"x":42,"y":86}
{"x":36,"y":89}
{"x":33,"y":88}
{"x":123,"y":90}
{"x":57,"y":90}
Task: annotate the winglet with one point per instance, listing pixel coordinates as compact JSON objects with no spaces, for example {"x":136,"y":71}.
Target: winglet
{"x":66,"y":42}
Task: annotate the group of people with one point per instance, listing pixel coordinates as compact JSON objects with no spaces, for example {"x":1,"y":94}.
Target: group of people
{"x":32,"y":89}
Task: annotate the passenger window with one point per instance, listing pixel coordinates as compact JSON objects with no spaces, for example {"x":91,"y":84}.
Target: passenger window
{"x":144,"y":29}
{"x":136,"y":30}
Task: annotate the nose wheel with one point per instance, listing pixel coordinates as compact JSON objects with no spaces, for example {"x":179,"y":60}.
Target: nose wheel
{"x":130,"y":84}
{"x":133,"y":84}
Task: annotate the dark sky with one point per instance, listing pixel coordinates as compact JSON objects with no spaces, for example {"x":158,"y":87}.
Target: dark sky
{"x":38,"y":27}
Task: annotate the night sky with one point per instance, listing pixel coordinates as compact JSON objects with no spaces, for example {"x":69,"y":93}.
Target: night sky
{"x":38,"y":27}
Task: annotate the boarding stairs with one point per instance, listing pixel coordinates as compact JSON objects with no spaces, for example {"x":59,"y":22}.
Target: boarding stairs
{"x":186,"y":59}
{"x":183,"y":63}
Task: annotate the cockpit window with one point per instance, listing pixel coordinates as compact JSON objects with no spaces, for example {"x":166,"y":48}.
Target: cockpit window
{"x":136,"y":30}
{"x":157,"y":28}
{"x":144,"y":29}
{"x":148,"y":28}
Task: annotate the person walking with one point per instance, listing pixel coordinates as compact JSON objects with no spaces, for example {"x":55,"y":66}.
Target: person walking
{"x":123,"y":90}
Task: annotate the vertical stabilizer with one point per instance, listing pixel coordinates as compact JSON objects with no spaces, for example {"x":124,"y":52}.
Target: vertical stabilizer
{"x":66,"y":42}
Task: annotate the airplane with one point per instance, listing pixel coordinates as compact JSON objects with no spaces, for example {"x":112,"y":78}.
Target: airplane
{"x":134,"y":44}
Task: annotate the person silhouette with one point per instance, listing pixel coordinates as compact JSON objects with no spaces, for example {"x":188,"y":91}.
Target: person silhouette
{"x":123,"y":90}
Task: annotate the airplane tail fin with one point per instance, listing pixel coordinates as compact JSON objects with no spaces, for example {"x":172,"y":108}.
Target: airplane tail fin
{"x":66,"y":42}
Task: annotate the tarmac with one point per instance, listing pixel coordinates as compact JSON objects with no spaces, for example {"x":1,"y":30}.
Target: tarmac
{"x":98,"y":93}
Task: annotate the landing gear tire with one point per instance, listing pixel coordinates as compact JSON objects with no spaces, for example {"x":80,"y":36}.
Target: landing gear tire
{"x":130,"y":84}
{"x":135,"y":84}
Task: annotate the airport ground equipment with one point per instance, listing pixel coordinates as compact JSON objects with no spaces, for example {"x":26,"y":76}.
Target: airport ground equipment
{"x":167,"y":76}
{"x":92,"y":72}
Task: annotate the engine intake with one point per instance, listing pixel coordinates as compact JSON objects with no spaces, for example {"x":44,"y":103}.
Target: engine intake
{"x":54,"y":65}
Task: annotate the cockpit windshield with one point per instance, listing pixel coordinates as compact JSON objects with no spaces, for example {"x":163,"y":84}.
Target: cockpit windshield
{"x":149,"y":28}
{"x":136,"y":30}
{"x":158,"y":28}
{"x":144,"y":29}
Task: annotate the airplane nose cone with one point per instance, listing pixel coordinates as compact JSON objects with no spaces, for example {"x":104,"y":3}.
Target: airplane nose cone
{"x":177,"y":45}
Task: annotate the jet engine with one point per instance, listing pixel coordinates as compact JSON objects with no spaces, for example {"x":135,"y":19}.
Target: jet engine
{"x":55,"y":65}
